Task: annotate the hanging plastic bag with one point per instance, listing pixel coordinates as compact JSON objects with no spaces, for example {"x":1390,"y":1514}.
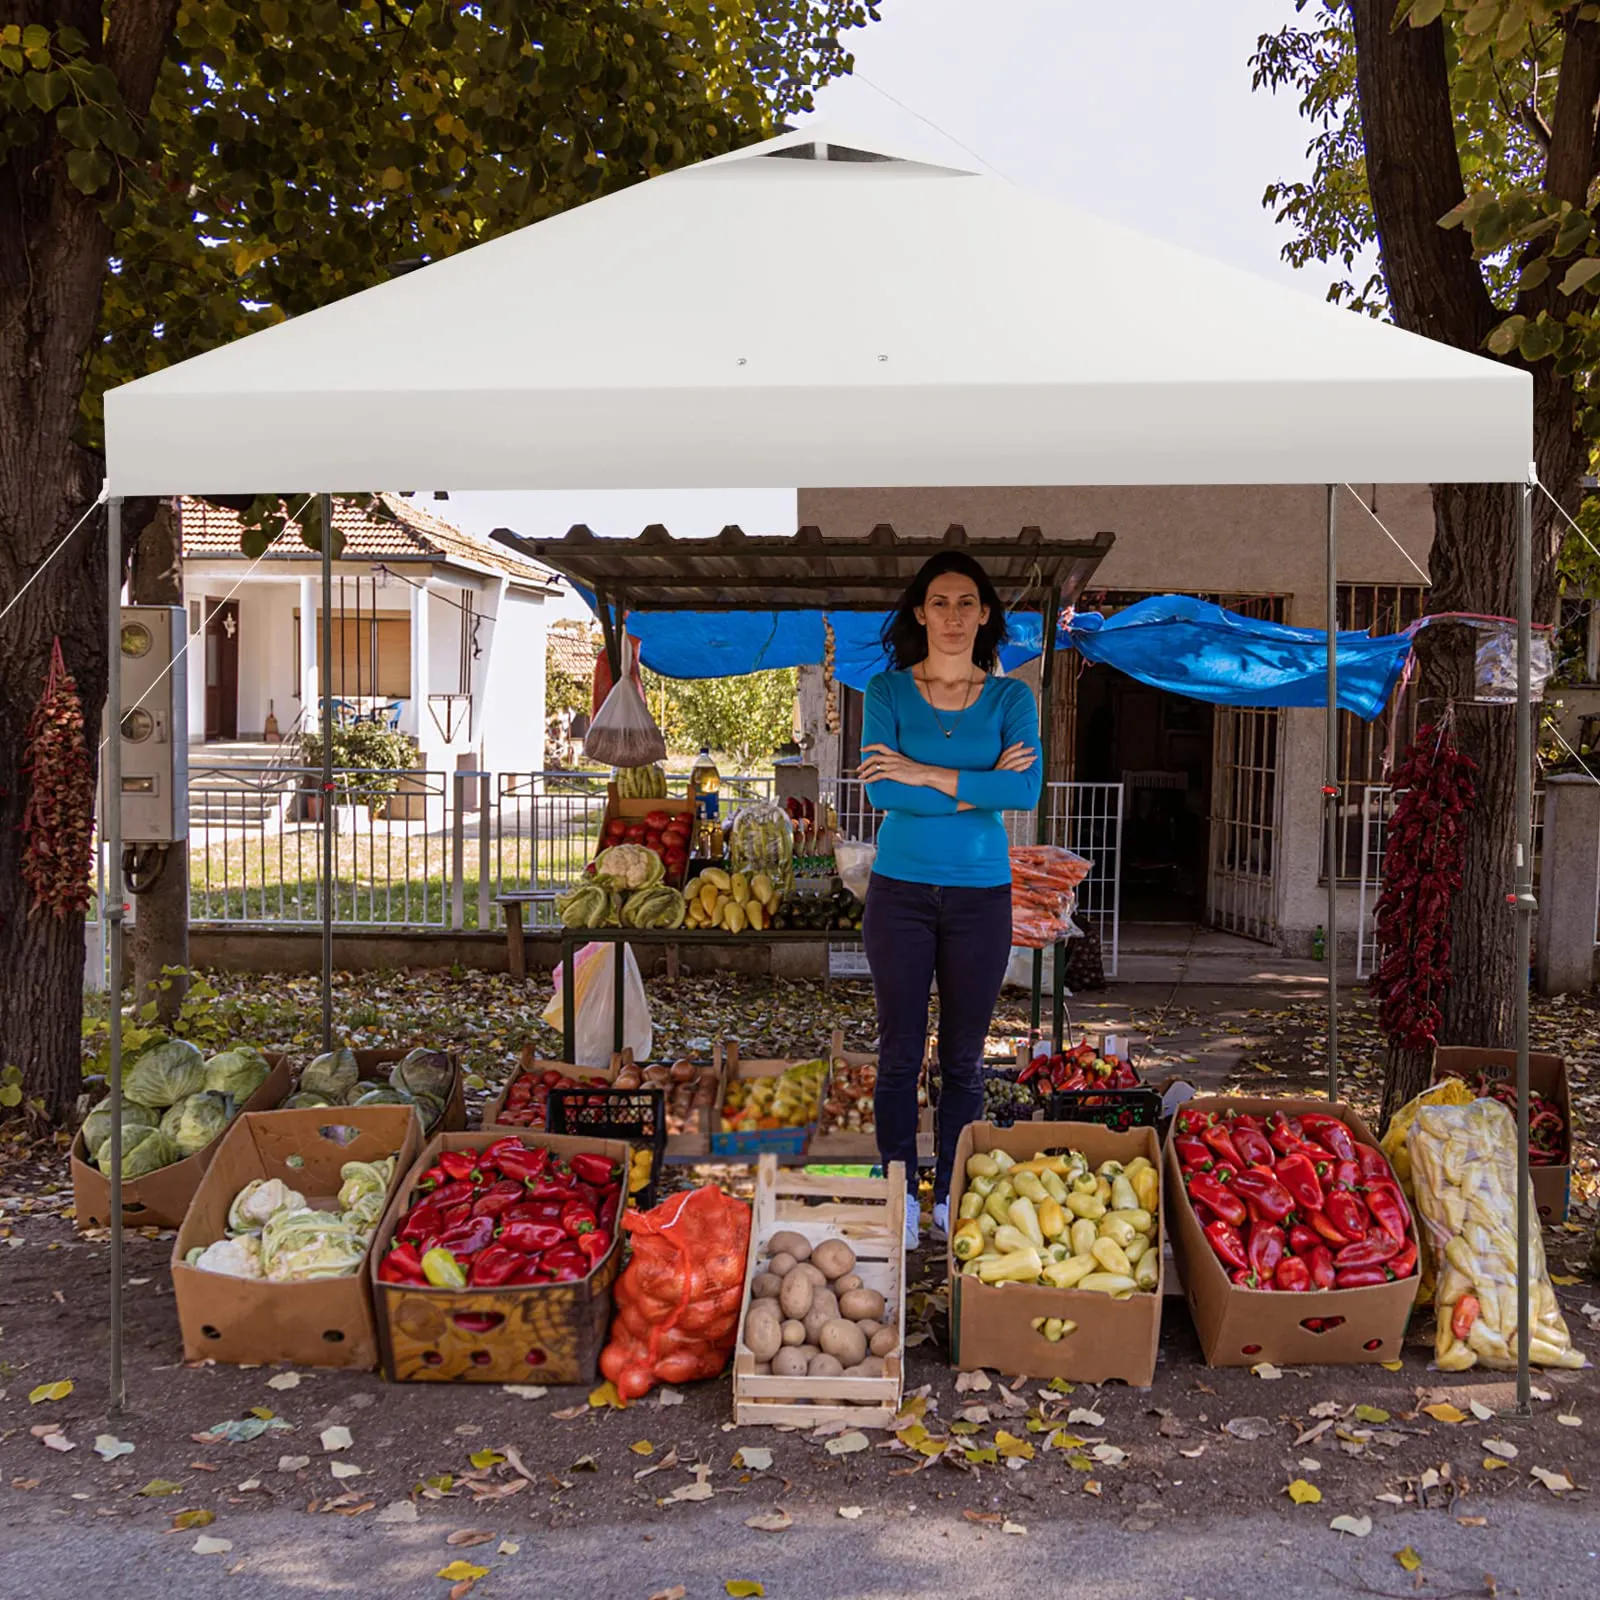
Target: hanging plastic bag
{"x":678,"y":1298}
{"x":593,"y":989}
{"x":854,"y":861}
{"x":623,"y":733}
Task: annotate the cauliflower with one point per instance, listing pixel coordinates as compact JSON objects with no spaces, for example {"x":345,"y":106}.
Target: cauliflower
{"x":629,"y":866}
{"x":259,"y":1200}
{"x":239,"y":1258}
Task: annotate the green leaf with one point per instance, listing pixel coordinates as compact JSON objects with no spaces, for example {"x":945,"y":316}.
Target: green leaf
{"x":1419,"y":13}
{"x":46,"y":89}
{"x":1376,"y":1415}
{"x":89,"y":170}
{"x":1580,"y":275}
{"x":35,"y":37}
{"x":1503,"y":339}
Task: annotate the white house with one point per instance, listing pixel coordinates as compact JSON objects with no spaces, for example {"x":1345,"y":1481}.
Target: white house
{"x":434,"y":633}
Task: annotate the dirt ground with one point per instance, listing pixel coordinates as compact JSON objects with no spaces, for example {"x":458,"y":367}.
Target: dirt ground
{"x":1198,"y":1443}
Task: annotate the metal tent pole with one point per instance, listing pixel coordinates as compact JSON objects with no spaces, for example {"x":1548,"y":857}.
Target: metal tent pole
{"x":1525,"y":905}
{"x":1041,"y":815}
{"x":325,"y":512}
{"x":1330,"y":792}
{"x":111,"y":816}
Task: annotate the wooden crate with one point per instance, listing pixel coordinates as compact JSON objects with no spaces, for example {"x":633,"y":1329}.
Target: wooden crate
{"x":842,"y":1146}
{"x":869,"y":1215}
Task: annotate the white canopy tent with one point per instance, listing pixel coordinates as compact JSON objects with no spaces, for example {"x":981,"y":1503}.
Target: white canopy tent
{"x":820,"y":310}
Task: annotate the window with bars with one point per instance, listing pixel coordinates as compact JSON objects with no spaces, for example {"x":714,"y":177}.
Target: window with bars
{"x":1368,"y":749}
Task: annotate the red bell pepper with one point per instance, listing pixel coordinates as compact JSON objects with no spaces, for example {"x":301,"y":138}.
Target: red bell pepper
{"x":1283,"y":1134}
{"x":531,"y":1238}
{"x":1403,"y":1263}
{"x":1259,"y":1184}
{"x":467,"y":1238}
{"x":1190,"y":1120}
{"x":1373,"y":1163}
{"x":1193,"y":1155}
{"x":452,"y":1191}
{"x":1223,"y":1202}
{"x":1319,"y":1258}
{"x":1299,"y":1177}
{"x":1330,"y":1133}
{"x":566,"y":1263}
{"x":1292,"y":1275}
{"x":461,"y":1164}
{"x":533,"y":1211}
{"x":1388,"y":1210}
{"x":1220,"y":1142}
{"x":594,"y":1246}
{"x":498,"y":1198}
{"x":578,"y":1216}
{"x":1360,"y":1277}
{"x":493,"y":1266}
{"x":527,"y":1166}
{"x":1322,"y":1223}
{"x":1225,"y":1240}
{"x":608,"y":1213}
{"x":495,"y":1153}
{"x":1344,"y":1175}
{"x":552,"y":1186}
{"x":431,"y":1179}
{"x":1253,"y":1146}
{"x":403,"y":1264}
{"x":1247,"y":1119}
{"x":1265,"y":1251}
{"x":1303,"y":1239}
{"x":1375,"y":1249}
{"x":1347,"y":1214}
{"x":1243,"y":1278}
{"x":590,"y":1168}
{"x":423,"y":1222}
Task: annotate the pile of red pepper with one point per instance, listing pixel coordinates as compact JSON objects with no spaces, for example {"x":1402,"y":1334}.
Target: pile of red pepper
{"x":1293,"y":1203}
{"x":1421,"y":874}
{"x":1547,"y":1128}
{"x":528,"y":1099}
{"x":1081,"y":1067}
{"x":510,"y":1216}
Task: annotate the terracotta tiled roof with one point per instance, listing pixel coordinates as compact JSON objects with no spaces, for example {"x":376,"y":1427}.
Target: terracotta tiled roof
{"x":412,"y":535}
{"x":572,"y":648}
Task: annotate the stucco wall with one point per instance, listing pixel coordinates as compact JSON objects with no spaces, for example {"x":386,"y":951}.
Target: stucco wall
{"x":513,"y":718}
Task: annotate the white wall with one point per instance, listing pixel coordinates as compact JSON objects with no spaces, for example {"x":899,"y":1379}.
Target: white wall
{"x":512,"y":729}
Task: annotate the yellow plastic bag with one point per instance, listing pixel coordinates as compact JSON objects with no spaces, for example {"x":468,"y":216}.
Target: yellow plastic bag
{"x":1396,"y":1144}
{"x":1464,"y":1166}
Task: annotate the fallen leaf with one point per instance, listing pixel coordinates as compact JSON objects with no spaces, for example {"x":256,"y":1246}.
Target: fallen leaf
{"x":743,"y":1588}
{"x":1265,"y":1369}
{"x":262,"y":1414}
{"x":159,"y":1486}
{"x":1443,"y":1411}
{"x":676,"y":1592}
{"x":606,"y":1395}
{"x":336,"y":1439}
{"x":284,"y":1380}
{"x":584,"y":1464}
{"x":1251,"y":1428}
{"x":1082,"y":1414}
{"x":293,"y":1463}
{"x":642,"y":1447}
{"x":1012,"y":1527}
{"x":1326,"y":1408}
{"x":1482,"y":1412}
{"x":1538,"y":1393}
{"x":1490,"y":1464}
{"x":1372,"y":1414}
{"x":670,"y":1397}
{"x":986,"y":1457}
{"x":1109,"y":1455}
{"x":1473,"y":1522}
{"x":459,"y":1571}
{"x":50,"y":1391}
{"x":206,"y":1545}
{"x":397,"y":1511}
{"x":1193,"y":1455}
{"x":1008,"y":1445}
{"x":1499,"y":1447}
{"x":973,"y":1382}
{"x":1309,"y":1464}
{"x":485,"y":1458}
{"x":1567,"y":1420}
{"x":463,"y":1537}
{"x":525,"y":1391}
{"x":1356,"y":1527}
{"x":507,"y":1547}
{"x":770,"y":1521}
{"x":58,"y":1441}
{"x":344,"y":1469}
{"x":1391,"y":1366}
{"x":108,"y":1447}
{"x":1555,"y":1482}
{"x":1303,"y":1493}
{"x":568,"y":1413}
{"x":849,"y":1513}
{"x":1565,"y":1279}
{"x":193,"y":1519}
{"x":846,"y":1444}
{"x":1408,"y":1558}
{"x":754,"y":1457}
{"x":989,"y":1518}
{"x":1091,"y":1486}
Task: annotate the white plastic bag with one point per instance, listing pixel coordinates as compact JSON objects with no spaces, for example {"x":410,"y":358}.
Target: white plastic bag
{"x":593,"y":989}
{"x":854,"y":863}
{"x":623,"y":733}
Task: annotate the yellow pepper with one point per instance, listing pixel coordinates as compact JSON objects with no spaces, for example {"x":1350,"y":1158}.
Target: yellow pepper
{"x":1147,"y":1189}
{"x":1109,"y":1170}
{"x":1110,"y":1256}
{"x":1054,"y":1187}
{"x":1003,"y":1159}
{"x":1136,"y":1248}
{"x":1116,"y":1229}
{"x":1070,"y":1273}
{"x":1122,"y":1196}
{"x":1052,"y":1219}
{"x":1138,"y":1219}
{"x":442,"y":1270}
{"x":983,"y":1185}
{"x":1083,"y":1234}
{"x":1008,"y":1238}
{"x":967,"y":1240}
{"x":1118,"y":1285}
{"x":987,"y":1225}
{"x":1086,"y":1205}
{"x":1024,"y":1217}
{"x":1020,"y":1266}
{"x":1054,"y":1328}
{"x":996,"y":1207}
{"x":981,"y":1165}
{"x":1029,"y":1187}
{"x":1147,"y":1269}
{"x":1086,"y":1183}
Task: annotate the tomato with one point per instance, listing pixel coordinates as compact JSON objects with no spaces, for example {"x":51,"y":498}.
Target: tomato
{"x":634,"y":833}
{"x":657,"y":820}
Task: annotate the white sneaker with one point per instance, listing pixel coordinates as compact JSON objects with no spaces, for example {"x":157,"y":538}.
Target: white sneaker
{"x":913,"y":1223}
{"x":941,"y":1219}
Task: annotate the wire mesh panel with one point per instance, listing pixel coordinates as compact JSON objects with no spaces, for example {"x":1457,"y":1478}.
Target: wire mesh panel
{"x":1244,"y":822}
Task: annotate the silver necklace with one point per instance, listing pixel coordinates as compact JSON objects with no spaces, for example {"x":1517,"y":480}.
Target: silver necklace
{"x":927,"y":688}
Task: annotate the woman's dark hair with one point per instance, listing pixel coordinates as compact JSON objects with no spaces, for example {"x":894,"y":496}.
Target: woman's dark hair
{"x":905,"y":640}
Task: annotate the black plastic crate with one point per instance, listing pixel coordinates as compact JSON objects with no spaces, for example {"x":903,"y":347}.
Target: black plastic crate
{"x":637,"y":1115}
{"x":1119,"y":1109}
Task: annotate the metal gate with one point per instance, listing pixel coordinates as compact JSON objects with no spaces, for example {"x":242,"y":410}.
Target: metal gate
{"x":1241,"y":887}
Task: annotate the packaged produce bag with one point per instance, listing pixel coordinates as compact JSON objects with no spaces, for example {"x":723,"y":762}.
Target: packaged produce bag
{"x":623,"y":733}
{"x":593,"y":991}
{"x":678,"y":1298}
{"x":1464,"y":1166}
{"x":1396,"y":1144}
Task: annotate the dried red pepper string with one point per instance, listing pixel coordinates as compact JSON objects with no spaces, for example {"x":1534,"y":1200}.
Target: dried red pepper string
{"x":58,"y":816}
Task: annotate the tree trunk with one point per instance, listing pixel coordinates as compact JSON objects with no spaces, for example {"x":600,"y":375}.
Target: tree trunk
{"x":161,"y":931}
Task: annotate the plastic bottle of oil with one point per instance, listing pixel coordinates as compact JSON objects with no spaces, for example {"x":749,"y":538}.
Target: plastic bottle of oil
{"x":705,"y":791}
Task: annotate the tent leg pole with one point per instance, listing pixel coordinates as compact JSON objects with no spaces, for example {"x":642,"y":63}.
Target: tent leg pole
{"x":1330,"y":792}
{"x":111,"y":816}
{"x":329,"y":888}
{"x":1525,"y":907}
{"x":1041,"y":815}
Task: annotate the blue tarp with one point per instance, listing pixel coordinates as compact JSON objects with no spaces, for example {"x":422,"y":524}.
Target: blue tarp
{"x":1172,"y":642}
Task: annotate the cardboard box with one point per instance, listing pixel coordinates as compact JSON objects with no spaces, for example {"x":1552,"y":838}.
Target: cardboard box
{"x":1239,"y":1327}
{"x":1552,"y":1185}
{"x":160,"y":1199}
{"x":788,"y":1144}
{"x":327,"y":1323}
{"x":990,"y":1323}
{"x":638,"y":810}
{"x":531,"y":1062}
{"x":841,"y":1145}
{"x":535,"y":1333}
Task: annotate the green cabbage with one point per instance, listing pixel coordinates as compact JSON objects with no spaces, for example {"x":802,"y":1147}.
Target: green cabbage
{"x":144,"y":1150}
{"x":165,"y":1074}
{"x":237,"y":1072}
{"x":334,"y":1074}
{"x":196,"y":1120}
{"x":424,"y":1072}
{"x":97,"y":1125}
{"x":305,"y":1100}
{"x":382,"y":1095}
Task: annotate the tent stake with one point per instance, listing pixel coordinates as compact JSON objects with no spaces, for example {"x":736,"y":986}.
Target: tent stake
{"x":1330,"y":793}
{"x":325,"y":514}
{"x":111,"y":817}
{"x":1525,"y":904}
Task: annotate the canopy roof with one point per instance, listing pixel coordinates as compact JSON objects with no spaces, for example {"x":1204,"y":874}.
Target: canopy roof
{"x":819,"y":310}
{"x":736,"y":571}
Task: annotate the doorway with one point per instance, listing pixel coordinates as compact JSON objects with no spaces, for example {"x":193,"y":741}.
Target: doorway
{"x":222,"y":669}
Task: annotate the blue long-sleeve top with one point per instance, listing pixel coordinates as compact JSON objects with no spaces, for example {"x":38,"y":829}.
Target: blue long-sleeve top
{"x":925,"y":837}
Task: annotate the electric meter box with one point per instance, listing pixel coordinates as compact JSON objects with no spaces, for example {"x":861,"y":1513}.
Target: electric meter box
{"x":154,"y":723}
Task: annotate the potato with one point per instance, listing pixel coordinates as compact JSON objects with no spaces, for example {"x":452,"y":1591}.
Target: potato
{"x":867,"y":1325}
{"x":885,"y":1342}
{"x":835,"y":1257}
{"x":861,"y":1303}
{"x":794,"y":1332}
{"x":867,"y":1367}
{"x":844,"y":1340}
{"x":763,"y":1335}
{"x":763,"y":1369}
{"x":795,"y":1296}
{"x":851,"y":1280}
{"x":782,"y":1264}
{"x":811,"y":1273}
{"x":824,"y":1309}
{"x":824,"y":1366}
{"x":796,"y":1244}
{"x":765,"y":1286}
{"x":789,"y":1363}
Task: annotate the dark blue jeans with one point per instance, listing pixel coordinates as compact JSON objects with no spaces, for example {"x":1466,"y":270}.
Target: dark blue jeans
{"x":914,"y":932}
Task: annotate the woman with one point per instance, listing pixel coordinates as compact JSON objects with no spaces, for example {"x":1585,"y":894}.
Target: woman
{"x":945,"y":749}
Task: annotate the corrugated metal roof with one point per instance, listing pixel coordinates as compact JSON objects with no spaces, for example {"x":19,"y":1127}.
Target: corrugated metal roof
{"x":736,"y":571}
